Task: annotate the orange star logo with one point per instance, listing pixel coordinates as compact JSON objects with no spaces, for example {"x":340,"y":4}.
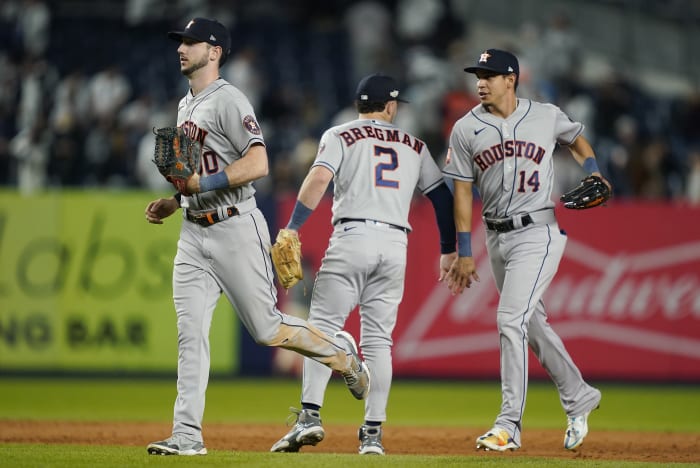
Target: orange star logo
{"x":484,"y":57}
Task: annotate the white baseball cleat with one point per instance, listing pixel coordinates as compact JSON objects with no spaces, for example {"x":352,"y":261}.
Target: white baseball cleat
{"x":357,"y":377}
{"x":577,"y":428}
{"x":496,"y":439}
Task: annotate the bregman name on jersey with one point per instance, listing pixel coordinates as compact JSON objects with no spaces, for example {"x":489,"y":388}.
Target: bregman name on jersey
{"x":354,"y":134}
{"x":509,"y":149}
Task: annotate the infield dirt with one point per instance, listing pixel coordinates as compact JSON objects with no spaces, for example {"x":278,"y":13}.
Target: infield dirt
{"x":599,"y":445}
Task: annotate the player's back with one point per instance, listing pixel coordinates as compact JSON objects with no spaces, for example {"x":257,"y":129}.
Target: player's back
{"x":377,"y":167}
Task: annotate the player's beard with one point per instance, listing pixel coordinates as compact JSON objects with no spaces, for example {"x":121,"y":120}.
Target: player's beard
{"x":194,"y":66}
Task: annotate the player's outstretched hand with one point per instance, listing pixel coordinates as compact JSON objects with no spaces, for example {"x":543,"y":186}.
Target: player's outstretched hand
{"x":159,"y":209}
{"x":461,"y":274}
{"x":446,"y":261}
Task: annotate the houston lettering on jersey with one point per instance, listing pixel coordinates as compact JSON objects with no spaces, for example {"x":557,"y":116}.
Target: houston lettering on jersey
{"x":194,"y":132}
{"x":511,"y":148}
{"x":355,"y":134}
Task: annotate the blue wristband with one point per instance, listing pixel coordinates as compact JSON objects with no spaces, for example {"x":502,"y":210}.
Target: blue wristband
{"x":464,"y":244}
{"x":300,"y":214}
{"x":215,"y":182}
{"x":590,"y":165}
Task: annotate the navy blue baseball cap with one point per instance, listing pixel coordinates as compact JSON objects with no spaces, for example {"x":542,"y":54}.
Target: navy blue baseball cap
{"x":497,"y":61}
{"x":378,"y":88}
{"x":205,"y":30}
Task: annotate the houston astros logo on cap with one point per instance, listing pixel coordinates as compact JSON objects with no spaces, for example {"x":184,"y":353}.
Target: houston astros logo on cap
{"x":206,"y":30}
{"x":496,"y":61}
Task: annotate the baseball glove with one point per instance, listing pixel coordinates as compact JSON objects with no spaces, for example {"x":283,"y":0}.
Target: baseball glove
{"x":177,"y":156}
{"x":286,"y":256}
{"x":592,"y":191}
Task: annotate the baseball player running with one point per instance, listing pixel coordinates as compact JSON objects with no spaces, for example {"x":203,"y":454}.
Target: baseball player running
{"x":224,"y":240}
{"x":504,"y":147}
{"x":376,"y":168}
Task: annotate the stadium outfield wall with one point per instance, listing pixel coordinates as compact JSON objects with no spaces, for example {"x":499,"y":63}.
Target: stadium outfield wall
{"x":85,"y":288}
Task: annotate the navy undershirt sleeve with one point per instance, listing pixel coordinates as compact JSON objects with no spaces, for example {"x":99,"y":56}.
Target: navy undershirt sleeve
{"x":443,"y":204}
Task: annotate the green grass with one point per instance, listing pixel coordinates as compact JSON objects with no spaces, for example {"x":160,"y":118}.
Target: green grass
{"x":468,"y":404}
{"x":75,"y":456}
{"x":425,"y":403}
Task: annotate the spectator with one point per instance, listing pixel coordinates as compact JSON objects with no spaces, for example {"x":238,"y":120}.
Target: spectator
{"x":618,"y":152}
{"x":135,"y":121}
{"x":613,"y":98}
{"x":559,"y":56}
{"x":242,"y":71}
{"x":34,"y":21}
{"x":38,"y":79}
{"x":141,"y":12}
{"x":369,"y":25}
{"x":109,"y":91}
{"x":648,"y":171}
{"x":97,"y":152}
{"x":68,"y":120}
{"x":428,"y":80}
{"x":10,"y":33}
{"x":31,"y":149}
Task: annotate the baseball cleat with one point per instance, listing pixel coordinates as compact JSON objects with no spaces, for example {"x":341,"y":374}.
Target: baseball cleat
{"x":176,"y":445}
{"x":307,"y":430}
{"x":357,"y":378}
{"x":371,"y":440}
{"x":496,"y":439}
{"x":577,"y":428}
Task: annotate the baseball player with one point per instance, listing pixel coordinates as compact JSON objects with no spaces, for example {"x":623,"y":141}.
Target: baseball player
{"x":224,"y":240}
{"x":504,"y":146}
{"x":376,"y":168}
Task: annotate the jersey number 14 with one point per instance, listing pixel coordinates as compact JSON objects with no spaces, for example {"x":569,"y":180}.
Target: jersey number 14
{"x":533,"y":181}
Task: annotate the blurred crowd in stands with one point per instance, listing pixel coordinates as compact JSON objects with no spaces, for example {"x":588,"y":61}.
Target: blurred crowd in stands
{"x":84,"y":83}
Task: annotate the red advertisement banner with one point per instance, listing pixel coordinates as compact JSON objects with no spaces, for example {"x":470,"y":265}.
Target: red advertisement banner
{"x":625,"y":301}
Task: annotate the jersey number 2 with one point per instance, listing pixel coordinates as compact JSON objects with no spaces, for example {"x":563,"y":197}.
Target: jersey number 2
{"x":533,"y":181}
{"x":379,"y":170}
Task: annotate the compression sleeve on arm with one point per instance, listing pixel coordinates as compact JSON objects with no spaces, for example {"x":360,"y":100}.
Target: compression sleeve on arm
{"x":299,"y":216}
{"x":213,"y":182}
{"x":443,"y":204}
{"x":590,"y":165}
{"x":465,"y":244}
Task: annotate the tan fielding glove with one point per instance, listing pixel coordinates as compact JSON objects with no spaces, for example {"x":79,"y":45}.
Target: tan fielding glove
{"x":286,"y":256}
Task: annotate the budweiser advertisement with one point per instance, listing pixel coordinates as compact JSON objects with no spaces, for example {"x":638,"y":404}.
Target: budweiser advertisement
{"x":625,"y":300}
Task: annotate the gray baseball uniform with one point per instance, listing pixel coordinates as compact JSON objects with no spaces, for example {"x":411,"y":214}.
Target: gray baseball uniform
{"x":510,"y":162}
{"x":377,"y":168}
{"x":229,"y":256}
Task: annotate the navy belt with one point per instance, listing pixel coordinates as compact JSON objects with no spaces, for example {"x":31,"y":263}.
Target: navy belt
{"x":207,"y":218}
{"x":372,"y":221}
